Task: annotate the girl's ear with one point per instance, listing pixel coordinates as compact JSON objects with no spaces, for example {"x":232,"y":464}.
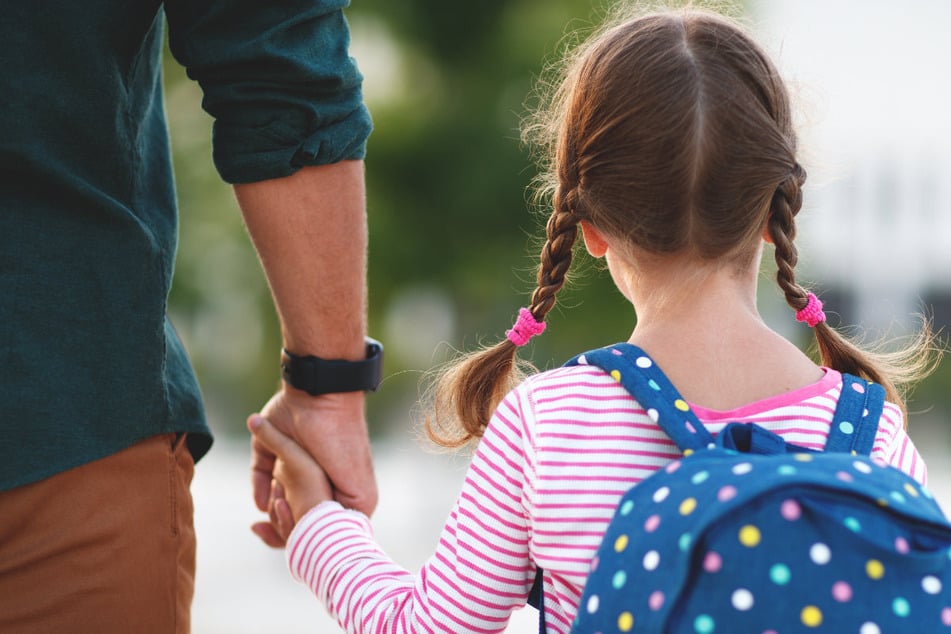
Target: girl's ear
{"x":594,"y":241}
{"x":768,"y":238}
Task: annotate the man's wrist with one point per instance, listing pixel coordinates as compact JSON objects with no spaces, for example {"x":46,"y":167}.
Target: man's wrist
{"x":317,"y":376}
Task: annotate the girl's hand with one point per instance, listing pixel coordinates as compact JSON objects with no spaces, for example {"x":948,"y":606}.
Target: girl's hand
{"x":298,"y":485}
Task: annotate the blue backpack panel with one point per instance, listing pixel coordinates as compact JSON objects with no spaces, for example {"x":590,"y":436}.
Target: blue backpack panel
{"x":747,"y":534}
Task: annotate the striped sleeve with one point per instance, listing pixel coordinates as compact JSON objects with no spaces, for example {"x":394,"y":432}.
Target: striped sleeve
{"x":480,"y":570}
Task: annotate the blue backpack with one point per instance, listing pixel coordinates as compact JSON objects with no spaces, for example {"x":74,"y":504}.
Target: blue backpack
{"x":747,"y":534}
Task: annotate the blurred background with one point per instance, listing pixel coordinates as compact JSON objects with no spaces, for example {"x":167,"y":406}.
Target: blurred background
{"x":454,"y":239}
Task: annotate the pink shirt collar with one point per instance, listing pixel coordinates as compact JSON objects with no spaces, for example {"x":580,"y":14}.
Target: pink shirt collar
{"x":831,"y":379}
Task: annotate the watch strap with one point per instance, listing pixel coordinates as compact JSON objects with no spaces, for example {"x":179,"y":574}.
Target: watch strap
{"x":317,"y":376}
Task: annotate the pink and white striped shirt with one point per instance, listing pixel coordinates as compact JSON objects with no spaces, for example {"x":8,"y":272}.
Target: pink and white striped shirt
{"x":555,"y":460}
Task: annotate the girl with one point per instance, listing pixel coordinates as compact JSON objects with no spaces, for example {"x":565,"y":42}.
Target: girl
{"x":673,"y":152}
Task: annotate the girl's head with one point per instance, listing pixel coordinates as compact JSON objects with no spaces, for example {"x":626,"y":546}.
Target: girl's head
{"x":670,"y":133}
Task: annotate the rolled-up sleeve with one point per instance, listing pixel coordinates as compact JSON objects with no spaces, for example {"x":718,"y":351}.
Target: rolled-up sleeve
{"x":278,"y":79}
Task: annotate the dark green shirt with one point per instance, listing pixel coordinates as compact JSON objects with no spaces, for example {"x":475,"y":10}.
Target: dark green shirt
{"x":89,"y":363}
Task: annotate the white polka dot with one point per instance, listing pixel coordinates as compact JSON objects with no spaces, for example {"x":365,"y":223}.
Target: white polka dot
{"x":654,"y":414}
{"x":742,"y":599}
{"x":582,"y":360}
{"x":661,"y":494}
{"x":594,"y":602}
{"x":869,"y":628}
{"x":820,"y":554}
{"x":743,"y":468}
{"x":651,"y":560}
{"x":862,"y":467}
{"x":643,"y":362}
{"x":931,"y":585}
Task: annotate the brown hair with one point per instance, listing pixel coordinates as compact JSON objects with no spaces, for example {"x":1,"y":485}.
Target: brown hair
{"x":673,"y":132}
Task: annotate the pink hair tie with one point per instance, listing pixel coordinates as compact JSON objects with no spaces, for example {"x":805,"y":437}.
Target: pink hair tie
{"x":526,"y":327}
{"x":812,"y":313}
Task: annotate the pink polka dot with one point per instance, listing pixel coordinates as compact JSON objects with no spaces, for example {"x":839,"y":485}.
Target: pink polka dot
{"x":901,"y":545}
{"x":841,"y":591}
{"x":790,"y":510}
{"x":946,"y":616}
{"x":770,"y":632}
{"x":615,"y":351}
{"x":656,"y":600}
{"x":594,"y":563}
{"x":858,"y":387}
{"x":652,"y":523}
{"x":844,"y":476}
{"x":726,"y":493}
{"x":691,"y":428}
{"x":712,"y":562}
{"x":673,"y":466}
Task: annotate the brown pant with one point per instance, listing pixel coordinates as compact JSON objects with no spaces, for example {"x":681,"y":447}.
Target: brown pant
{"x":105,"y":547}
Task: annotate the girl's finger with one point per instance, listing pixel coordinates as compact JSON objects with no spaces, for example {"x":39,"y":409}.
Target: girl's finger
{"x":282,"y":519}
{"x":270,"y":438}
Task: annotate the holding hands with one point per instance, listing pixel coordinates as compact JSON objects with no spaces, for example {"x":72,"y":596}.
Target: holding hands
{"x":307,"y":450}
{"x":297,"y":482}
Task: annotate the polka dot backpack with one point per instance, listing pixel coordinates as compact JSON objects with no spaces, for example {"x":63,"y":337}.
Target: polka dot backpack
{"x":747,"y":534}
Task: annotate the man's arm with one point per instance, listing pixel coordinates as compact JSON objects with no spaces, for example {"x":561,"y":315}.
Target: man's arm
{"x":310,"y":233}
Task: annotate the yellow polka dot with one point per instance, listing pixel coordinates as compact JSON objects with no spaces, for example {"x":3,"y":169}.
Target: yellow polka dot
{"x":688,"y":452}
{"x":625,"y":622}
{"x":811,"y":616}
{"x":882,"y":502}
{"x":874,"y":569}
{"x":912,"y":491}
{"x":750,"y":536}
{"x":688,"y":506}
{"x":802,"y":457}
{"x":620,"y":543}
{"x":681,"y":405}
{"x":616,"y":375}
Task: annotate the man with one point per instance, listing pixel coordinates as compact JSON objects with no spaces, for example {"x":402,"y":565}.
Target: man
{"x":102,"y":417}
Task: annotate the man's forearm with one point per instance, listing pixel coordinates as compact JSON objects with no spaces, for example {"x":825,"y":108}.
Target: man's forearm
{"x":310,"y":232}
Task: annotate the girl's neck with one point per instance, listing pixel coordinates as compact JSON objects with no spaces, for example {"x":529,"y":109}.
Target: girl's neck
{"x":689,"y":297}
{"x":701,"y":325}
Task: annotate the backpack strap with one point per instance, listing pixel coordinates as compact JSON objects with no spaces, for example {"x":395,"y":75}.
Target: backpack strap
{"x":855,"y":422}
{"x":636,"y":371}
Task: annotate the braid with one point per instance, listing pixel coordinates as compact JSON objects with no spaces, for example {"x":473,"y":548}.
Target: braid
{"x":893,"y":370}
{"x":556,"y":256}
{"x":786,"y":203}
{"x":467,"y":391}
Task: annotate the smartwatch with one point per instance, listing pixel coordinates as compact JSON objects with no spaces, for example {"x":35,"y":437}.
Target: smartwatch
{"x":318,"y":376}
